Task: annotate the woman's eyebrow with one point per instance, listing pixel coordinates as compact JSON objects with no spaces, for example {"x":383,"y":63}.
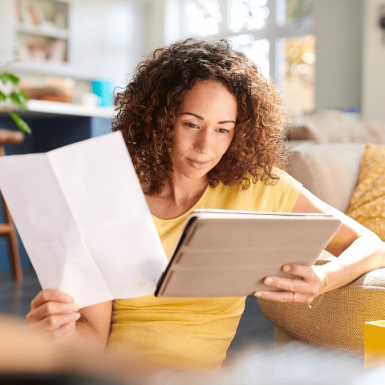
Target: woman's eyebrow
{"x":201,"y":117}
{"x":226,"y":121}
{"x":191,"y":113}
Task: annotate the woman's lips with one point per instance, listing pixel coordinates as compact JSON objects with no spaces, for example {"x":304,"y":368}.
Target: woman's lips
{"x":197,"y":163}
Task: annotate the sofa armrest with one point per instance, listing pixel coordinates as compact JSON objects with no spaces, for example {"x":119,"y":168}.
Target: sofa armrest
{"x":338,"y":321}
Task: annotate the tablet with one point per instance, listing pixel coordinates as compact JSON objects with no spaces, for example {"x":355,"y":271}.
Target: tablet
{"x":226,"y":253}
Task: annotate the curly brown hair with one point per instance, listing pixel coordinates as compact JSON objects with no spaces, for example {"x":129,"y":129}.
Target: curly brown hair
{"x":148,"y":105}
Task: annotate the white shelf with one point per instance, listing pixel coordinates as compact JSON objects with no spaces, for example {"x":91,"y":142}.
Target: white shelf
{"x":43,"y":108}
{"x":54,"y":33}
{"x":46,"y":107}
{"x":66,"y":69}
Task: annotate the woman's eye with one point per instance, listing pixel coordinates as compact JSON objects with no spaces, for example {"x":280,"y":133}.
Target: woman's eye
{"x":223,"y":131}
{"x":191,"y":125}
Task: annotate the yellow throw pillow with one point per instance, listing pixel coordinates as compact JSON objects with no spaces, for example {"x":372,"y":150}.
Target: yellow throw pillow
{"x":367,"y":205}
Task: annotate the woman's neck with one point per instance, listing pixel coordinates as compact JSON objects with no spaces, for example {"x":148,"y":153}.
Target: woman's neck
{"x":178,"y":196}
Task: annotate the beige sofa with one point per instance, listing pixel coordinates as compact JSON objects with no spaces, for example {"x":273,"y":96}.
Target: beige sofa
{"x":330,"y":171}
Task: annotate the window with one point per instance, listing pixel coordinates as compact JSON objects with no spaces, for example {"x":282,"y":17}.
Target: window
{"x":203,"y":17}
{"x":278,"y":35}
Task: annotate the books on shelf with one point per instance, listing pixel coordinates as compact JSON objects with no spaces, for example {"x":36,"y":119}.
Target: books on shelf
{"x":29,"y":13}
{"x":42,"y":36}
{"x":57,"y":51}
{"x":44,"y":50}
{"x":32,"y":20}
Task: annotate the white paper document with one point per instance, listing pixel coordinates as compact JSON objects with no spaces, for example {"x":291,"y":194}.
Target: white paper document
{"x":84,"y":221}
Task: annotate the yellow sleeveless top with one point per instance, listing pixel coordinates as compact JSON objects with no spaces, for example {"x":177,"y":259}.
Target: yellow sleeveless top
{"x":193,"y":333}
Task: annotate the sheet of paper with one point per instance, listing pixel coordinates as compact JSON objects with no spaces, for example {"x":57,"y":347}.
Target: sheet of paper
{"x":84,"y":221}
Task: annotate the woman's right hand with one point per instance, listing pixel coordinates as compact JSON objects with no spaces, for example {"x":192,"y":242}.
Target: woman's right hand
{"x":54,"y":312}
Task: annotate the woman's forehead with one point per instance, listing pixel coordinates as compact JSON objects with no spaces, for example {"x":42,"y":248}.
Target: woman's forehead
{"x":209,"y":96}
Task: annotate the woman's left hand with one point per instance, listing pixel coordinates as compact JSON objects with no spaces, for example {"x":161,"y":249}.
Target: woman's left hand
{"x":296,"y":291}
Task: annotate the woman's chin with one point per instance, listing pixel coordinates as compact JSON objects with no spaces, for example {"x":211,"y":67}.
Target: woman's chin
{"x":191,"y":173}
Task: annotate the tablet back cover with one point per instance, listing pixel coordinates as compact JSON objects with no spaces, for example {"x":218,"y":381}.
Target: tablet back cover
{"x":228,"y":253}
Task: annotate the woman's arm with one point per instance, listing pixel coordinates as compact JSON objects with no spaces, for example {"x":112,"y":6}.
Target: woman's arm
{"x":358,"y":250}
{"x":55,"y":313}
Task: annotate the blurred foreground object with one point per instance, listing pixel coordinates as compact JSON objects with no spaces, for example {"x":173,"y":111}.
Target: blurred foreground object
{"x":293,"y":364}
{"x":29,"y":358}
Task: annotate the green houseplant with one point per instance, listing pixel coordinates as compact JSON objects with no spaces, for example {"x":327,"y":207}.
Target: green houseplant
{"x":12,"y":96}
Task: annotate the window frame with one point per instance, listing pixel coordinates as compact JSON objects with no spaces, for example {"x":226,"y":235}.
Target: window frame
{"x":274,"y":31}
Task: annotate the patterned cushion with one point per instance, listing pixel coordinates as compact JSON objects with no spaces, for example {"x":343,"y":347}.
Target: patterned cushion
{"x":367,"y":205}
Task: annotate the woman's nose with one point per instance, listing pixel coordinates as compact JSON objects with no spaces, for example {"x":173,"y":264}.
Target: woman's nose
{"x":202,"y":142}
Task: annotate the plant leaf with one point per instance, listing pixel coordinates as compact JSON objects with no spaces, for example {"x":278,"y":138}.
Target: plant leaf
{"x":18,"y":102}
{"x":2,"y":77}
{"x":21,"y":93}
{"x":3,"y":97}
{"x":20,"y":123}
{"x":7,"y":76}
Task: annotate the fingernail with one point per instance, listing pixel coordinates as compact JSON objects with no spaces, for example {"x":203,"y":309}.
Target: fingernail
{"x":268,"y":281}
{"x":286,"y":268}
{"x":76,"y":307}
{"x":258,"y":294}
{"x":78,"y":315}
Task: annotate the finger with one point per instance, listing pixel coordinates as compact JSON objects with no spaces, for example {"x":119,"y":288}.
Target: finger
{"x":50,"y":295}
{"x":280,"y":296}
{"x":51,"y":308}
{"x":304,"y":272}
{"x":55,"y":321}
{"x":285,"y":296}
{"x":287,"y":284}
{"x":63,"y":331}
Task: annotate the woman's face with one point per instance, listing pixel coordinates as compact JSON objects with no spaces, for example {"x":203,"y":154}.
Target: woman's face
{"x":203,"y":130}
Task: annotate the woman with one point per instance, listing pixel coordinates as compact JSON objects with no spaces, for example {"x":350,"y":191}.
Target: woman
{"x":204,"y":130}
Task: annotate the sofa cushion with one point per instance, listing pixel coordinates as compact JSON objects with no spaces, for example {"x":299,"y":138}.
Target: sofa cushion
{"x":330,"y":171}
{"x":333,"y":126}
{"x":367,"y":205}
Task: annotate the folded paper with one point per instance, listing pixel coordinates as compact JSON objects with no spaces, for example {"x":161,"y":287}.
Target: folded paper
{"x":84,"y":221}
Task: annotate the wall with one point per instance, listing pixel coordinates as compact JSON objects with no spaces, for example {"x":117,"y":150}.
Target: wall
{"x":373,"y":106}
{"x":155,"y":27}
{"x":164,"y":23}
{"x":107,"y":37}
{"x":338,"y":29}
